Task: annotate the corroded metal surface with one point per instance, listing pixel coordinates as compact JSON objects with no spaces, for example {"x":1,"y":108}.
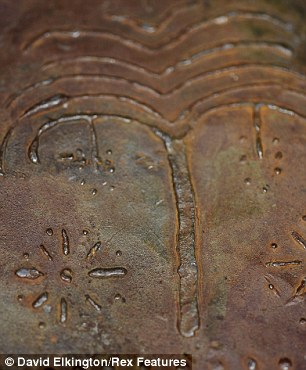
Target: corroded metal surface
{"x":153,"y":180}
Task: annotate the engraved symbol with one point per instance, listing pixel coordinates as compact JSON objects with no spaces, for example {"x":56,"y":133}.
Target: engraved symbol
{"x":299,"y":293}
{"x":67,"y":276}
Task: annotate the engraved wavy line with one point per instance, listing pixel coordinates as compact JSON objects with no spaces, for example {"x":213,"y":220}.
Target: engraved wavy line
{"x":170,"y":71}
{"x":179,"y":90}
{"x":197,"y":119}
{"x":181,"y":126}
{"x":165,"y":21}
{"x":165,"y":17}
{"x":194,"y":116}
{"x":218,"y":20}
{"x":120,"y":99}
{"x":224,"y":19}
{"x":185,"y":62}
{"x":174,"y":42}
{"x":246,"y":103}
{"x":33,"y":148}
{"x":190,"y":115}
{"x":175,"y":131}
{"x":196,"y":78}
{"x":40,"y":107}
{"x":183,"y":123}
{"x":162,"y":27}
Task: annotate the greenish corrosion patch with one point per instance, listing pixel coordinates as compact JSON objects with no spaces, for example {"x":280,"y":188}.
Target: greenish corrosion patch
{"x":254,"y":28}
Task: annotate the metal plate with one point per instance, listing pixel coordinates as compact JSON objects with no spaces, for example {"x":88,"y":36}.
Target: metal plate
{"x":153,"y":180}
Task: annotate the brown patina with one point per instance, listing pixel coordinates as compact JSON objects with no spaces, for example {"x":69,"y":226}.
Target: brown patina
{"x":153,"y":179}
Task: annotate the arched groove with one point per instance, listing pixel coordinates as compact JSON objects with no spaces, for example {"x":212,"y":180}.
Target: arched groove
{"x":179,"y":127}
{"x":245,"y":103}
{"x":193,"y":115}
{"x":186,"y":243}
{"x":112,"y":105}
{"x":163,"y":26}
{"x":188,"y":315}
{"x":135,"y":83}
{"x":181,"y":37}
{"x":159,"y":60}
{"x":160,"y":102}
{"x":186,"y":63}
{"x":167,"y":18}
{"x":196,"y":78}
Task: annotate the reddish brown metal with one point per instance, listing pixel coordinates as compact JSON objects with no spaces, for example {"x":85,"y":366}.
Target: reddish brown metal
{"x":153,"y":180}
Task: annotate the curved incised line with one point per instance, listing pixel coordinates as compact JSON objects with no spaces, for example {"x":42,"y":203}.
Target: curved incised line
{"x":33,"y":149}
{"x":224,"y":19}
{"x":186,"y":111}
{"x":167,"y":17}
{"x":248,"y":103}
{"x":45,"y":105}
{"x":190,"y":80}
{"x":178,"y":39}
{"x":245,"y":103}
{"x":81,"y":77}
{"x":189,"y":115}
{"x":120,"y":98}
{"x":186,"y":63}
{"x":219,"y":19}
{"x":126,"y":107}
{"x":191,"y":109}
{"x":162,"y":24}
{"x":12,"y":98}
{"x":197,"y":78}
{"x":33,"y":152}
{"x":34,"y":146}
{"x":222,"y":73}
{"x":3,"y":150}
{"x":180,"y":127}
{"x":179,"y":130}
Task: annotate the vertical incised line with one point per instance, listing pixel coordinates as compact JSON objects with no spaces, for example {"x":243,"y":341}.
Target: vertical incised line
{"x":188,"y":270}
{"x":257,"y":126}
{"x":65,"y":243}
{"x":94,"y":145}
